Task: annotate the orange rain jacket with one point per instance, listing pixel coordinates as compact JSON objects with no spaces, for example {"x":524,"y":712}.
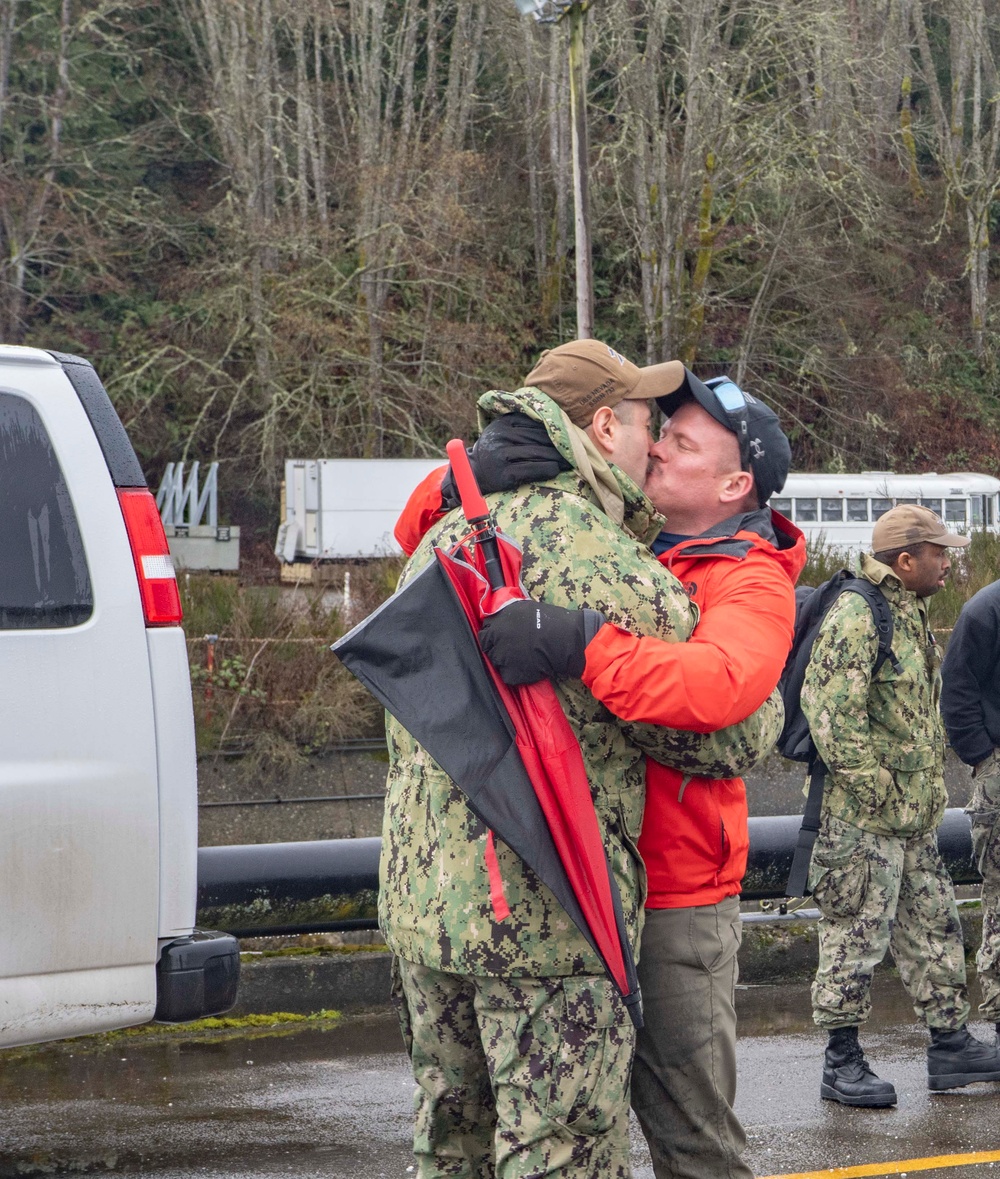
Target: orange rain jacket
{"x":742,"y":575}
{"x":423,"y":509}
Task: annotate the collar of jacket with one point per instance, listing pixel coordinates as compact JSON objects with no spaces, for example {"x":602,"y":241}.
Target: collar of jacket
{"x":640,"y":518}
{"x":723,"y":539}
{"x":882,"y":576}
{"x":889,"y":583}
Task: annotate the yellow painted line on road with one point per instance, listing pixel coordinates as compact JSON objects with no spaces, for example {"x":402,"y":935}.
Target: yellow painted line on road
{"x":903,"y":1166}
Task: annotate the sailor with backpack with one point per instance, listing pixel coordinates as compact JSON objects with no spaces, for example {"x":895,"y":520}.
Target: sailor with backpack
{"x":861,"y":690}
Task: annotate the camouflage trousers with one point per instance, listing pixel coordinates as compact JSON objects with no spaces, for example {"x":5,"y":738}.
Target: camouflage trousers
{"x":516,"y":1077}
{"x":876,"y":893}
{"x":984,"y":812}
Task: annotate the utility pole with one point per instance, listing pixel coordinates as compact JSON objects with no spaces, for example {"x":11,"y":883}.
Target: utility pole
{"x":581,"y":203}
{"x":552,"y":12}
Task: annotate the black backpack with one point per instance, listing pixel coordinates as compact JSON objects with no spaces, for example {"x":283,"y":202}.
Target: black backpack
{"x":811,"y":606}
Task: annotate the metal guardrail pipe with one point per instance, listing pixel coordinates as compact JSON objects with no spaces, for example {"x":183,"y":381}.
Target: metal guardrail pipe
{"x":330,"y":885}
{"x":254,"y":890}
{"x":772,"y":844}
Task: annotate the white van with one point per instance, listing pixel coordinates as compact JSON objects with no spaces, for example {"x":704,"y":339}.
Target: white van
{"x":98,"y":785}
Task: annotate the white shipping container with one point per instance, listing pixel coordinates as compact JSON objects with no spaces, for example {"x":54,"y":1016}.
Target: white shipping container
{"x":337,"y":508}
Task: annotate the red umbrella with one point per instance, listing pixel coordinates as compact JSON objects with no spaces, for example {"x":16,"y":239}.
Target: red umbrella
{"x":523,"y":774}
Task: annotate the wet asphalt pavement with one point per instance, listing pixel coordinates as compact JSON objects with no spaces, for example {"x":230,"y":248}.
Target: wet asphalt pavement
{"x":335,"y":1102}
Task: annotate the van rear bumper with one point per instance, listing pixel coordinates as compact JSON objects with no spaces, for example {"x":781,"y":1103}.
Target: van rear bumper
{"x":197,"y":976}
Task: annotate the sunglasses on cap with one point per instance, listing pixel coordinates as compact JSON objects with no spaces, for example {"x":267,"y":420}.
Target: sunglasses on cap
{"x":733,"y":401}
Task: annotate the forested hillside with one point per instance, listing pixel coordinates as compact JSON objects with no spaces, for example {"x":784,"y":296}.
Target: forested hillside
{"x":320,"y":227}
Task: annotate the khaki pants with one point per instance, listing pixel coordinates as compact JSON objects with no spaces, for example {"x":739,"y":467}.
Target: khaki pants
{"x":984,"y":812}
{"x":880,"y":892}
{"x":684,"y":1076}
{"x":516,"y":1077}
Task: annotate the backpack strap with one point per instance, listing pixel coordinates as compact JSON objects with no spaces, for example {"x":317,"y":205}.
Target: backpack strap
{"x":881,"y":616}
{"x":798,"y":876}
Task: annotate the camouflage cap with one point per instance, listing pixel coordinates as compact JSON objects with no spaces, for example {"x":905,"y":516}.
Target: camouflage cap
{"x":912,"y":524}
{"x":584,"y":375}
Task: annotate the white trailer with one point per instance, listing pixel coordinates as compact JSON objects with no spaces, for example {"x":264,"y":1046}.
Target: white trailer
{"x":343,"y":508}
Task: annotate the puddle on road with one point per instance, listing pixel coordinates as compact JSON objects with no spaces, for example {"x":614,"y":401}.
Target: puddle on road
{"x":335,"y":1102}
{"x":785,"y":1008}
{"x":313,"y":1101}
{"x":152,"y":1069}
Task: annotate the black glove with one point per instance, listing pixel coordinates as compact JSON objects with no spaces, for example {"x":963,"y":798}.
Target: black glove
{"x":512,"y":450}
{"x":528,"y":641}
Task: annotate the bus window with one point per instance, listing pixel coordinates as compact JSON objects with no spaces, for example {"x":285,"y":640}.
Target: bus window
{"x":831,"y":509}
{"x":976,"y":503}
{"x":906,"y":501}
{"x":880,"y":507}
{"x":954,"y":511}
{"x":933,"y":504}
{"x":857,"y":509}
{"x":805,"y":510}
{"x":783,"y":505}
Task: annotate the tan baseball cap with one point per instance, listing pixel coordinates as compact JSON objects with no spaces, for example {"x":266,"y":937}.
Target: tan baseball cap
{"x":911,"y":524}
{"x":584,"y":375}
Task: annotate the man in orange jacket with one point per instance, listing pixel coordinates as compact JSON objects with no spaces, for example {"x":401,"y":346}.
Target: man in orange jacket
{"x":722,"y":454}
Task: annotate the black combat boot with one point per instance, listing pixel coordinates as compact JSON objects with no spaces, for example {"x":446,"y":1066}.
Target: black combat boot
{"x":848,"y":1077}
{"x":956,"y":1058}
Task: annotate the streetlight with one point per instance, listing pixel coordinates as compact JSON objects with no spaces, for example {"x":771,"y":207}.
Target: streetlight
{"x":551,"y":12}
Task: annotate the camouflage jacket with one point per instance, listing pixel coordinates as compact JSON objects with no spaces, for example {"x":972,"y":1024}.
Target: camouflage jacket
{"x":434,"y":898}
{"x":880,"y":736}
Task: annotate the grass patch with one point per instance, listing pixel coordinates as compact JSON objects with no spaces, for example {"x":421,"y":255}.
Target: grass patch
{"x":248,"y":1027}
{"x":312,"y":951}
{"x":275,"y":691}
{"x":227,"y":1023}
{"x":823,"y":560}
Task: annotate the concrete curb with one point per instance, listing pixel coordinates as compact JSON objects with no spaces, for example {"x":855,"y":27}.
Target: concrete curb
{"x":305,"y":983}
{"x":776,"y":949}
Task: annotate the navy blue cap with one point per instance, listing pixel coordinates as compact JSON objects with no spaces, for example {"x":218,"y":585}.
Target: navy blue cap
{"x":764,"y":450}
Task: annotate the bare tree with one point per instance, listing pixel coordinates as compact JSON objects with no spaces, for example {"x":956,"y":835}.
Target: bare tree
{"x":966,"y":130}
{"x":365,"y":106}
{"x":534,"y":58}
{"x":695,"y":129}
{"x":29,"y":162}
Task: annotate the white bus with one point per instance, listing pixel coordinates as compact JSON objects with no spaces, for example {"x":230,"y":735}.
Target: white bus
{"x":842,"y":508}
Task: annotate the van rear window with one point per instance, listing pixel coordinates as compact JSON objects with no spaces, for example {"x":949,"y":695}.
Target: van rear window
{"x":44,"y":579}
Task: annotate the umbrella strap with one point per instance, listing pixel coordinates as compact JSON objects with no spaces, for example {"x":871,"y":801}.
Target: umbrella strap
{"x":501,"y":910}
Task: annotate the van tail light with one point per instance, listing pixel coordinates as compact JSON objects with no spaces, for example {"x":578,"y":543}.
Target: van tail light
{"x":161,"y":599}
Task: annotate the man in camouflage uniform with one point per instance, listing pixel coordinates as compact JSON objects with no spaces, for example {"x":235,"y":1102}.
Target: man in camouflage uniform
{"x":970,"y":705}
{"x":520,"y":1045}
{"x":876,"y":873}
